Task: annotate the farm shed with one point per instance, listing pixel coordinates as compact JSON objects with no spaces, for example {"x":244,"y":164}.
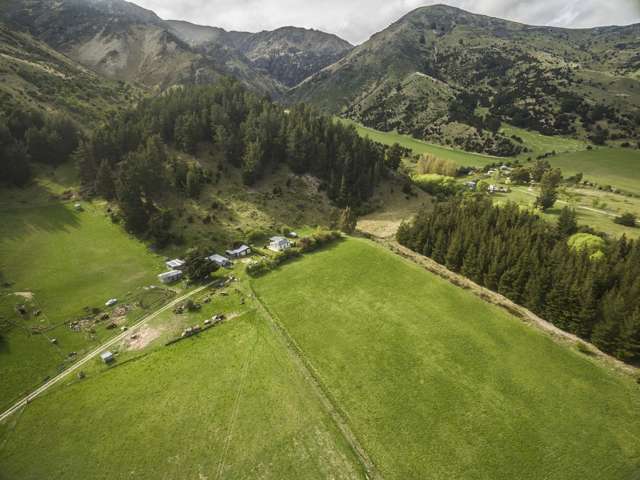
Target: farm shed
{"x":220,"y":260}
{"x":175,"y":264}
{"x":170,"y":277}
{"x":279,"y":244}
{"x":241,"y":251}
{"x":107,"y":357}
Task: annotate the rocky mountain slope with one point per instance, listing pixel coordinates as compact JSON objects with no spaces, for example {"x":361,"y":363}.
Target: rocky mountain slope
{"x":122,"y":41}
{"x":288,"y":54}
{"x":34,"y":75}
{"x":291,"y":54}
{"x":439,"y":65}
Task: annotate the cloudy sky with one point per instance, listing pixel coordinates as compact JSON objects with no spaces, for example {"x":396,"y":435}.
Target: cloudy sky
{"x":356,"y":20}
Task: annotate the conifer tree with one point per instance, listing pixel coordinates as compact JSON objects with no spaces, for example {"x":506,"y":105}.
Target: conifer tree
{"x":104,"y":184}
{"x":549,"y":189}
{"x":348,"y":221}
{"x":567,"y":222}
{"x":629,"y":348}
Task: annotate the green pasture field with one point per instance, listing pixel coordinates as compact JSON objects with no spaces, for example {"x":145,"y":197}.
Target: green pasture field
{"x":460,"y":157}
{"x":56,"y":260}
{"x":539,"y":144}
{"x":228,"y":403}
{"x":617,"y":167}
{"x":438,"y":384}
{"x":593,"y":208}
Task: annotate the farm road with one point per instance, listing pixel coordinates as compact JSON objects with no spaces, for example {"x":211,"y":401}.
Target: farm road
{"x":93,"y":354}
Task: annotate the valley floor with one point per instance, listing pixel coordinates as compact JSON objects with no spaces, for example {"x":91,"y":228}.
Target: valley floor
{"x":431,"y":381}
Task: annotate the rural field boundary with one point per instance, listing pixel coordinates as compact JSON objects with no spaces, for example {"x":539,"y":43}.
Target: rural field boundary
{"x":326,"y":399}
{"x":495,"y":298}
{"x":236,"y":407}
{"x":94,"y":353}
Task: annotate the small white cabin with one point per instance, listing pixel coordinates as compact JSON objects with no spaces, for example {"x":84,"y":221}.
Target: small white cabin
{"x":170,"y":277}
{"x":279,"y":244}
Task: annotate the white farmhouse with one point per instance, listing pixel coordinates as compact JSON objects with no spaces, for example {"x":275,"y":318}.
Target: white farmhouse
{"x":279,"y":244}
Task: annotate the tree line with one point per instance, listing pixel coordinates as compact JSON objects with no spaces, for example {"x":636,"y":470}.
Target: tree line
{"x":30,"y":136}
{"x":594,"y":294}
{"x":128,"y":159}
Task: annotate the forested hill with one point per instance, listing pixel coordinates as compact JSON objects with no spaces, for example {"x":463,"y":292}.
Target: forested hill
{"x":440,"y":64}
{"x":128,"y":160}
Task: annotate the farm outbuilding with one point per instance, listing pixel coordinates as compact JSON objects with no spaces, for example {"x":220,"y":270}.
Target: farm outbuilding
{"x":220,"y":260}
{"x":107,"y":357}
{"x":175,"y":264}
{"x":170,"y":277}
{"x":239,"y":252}
{"x":279,"y":244}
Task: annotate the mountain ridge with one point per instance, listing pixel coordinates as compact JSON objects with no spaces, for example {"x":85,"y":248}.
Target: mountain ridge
{"x":123,"y":41}
{"x":288,"y":54}
{"x":410,"y":77}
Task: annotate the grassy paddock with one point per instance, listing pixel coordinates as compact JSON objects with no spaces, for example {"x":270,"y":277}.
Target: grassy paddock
{"x":539,"y":144}
{"x":439,"y":384}
{"x":460,"y":157}
{"x":66,"y":261}
{"x":619,"y":167}
{"x":225,"y":404}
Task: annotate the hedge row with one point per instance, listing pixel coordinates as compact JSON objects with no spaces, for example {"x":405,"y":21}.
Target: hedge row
{"x":305,"y":245}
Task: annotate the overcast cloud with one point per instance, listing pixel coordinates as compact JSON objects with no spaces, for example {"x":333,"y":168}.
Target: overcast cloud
{"x":357,"y":20}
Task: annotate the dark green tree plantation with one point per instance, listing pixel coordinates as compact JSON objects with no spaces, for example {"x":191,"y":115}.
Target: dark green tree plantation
{"x":530,"y":261}
{"x":28,"y":136}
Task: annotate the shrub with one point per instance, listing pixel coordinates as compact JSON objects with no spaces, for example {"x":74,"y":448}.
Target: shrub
{"x":255,"y":236}
{"x":626,"y":219}
{"x":430,"y":164}
{"x":317,"y":240}
{"x":584,"y":348}
{"x":586,"y":242}
{"x":437,"y":185}
{"x":264,"y":265}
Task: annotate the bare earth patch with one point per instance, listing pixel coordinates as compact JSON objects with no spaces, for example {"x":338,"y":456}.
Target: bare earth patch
{"x":384,"y":222}
{"x":25,"y":295}
{"x":142,"y":338}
